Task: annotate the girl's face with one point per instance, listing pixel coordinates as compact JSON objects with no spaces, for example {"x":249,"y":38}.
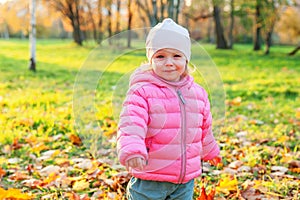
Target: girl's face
{"x":169,"y":64}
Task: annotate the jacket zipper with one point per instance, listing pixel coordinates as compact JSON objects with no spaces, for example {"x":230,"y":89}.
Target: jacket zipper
{"x":183,"y":136}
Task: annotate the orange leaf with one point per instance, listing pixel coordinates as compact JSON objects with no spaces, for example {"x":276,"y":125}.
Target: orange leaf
{"x":18,"y":176}
{"x":211,"y":194}
{"x":235,"y":102}
{"x":2,"y":172}
{"x":72,"y":196}
{"x":52,"y":177}
{"x":75,"y":139}
{"x":203,"y":195}
{"x":16,"y":144}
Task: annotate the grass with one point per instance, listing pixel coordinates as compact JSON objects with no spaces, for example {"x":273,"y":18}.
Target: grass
{"x":262,"y":99}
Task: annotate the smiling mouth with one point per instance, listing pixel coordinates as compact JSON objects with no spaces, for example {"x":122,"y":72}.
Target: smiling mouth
{"x":170,"y":71}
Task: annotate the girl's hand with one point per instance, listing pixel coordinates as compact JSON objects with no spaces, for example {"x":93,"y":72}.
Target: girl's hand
{"x":215,"y":161}
{"x":135,"y":163}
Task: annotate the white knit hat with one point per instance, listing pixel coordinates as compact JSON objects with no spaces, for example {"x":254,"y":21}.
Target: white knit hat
{"x":168,"y":34}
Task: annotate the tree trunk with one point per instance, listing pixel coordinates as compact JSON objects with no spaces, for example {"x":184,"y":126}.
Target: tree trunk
{"x":152,"y":17}
{"x":270,"y":26}
{"x":100,"y":22}
{"x":118,"y":16}
{"x":257,"y":37}
{"x":269,"y":40}
{"x":230,"y":46}
{"x":32,"y":60}
{"x":129,"y":23}
{"x":6,"y":31}
{"x":162,"y":10}
{"x":155,"y":12}
{"x":177,"y":7}
{"x":221,"y":41}
{"x":90,"y":12}
{"x":294,"y":51}
{"x":171,"y":9}
{"x":109,"y":25}
{"x":70,"y":9}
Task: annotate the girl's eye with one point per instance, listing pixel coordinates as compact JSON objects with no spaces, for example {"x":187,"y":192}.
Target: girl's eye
{"x":159,"y":56}
{"x":177,"y":56}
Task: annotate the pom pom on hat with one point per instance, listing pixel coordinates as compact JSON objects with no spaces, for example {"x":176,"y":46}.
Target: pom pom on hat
{"x":168,"y":34}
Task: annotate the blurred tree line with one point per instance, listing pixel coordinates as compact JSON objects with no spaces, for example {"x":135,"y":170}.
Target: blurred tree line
{"x":223,"y":22}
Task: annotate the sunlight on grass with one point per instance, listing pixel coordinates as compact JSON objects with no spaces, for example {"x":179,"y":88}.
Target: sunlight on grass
{"x":261,"y":127}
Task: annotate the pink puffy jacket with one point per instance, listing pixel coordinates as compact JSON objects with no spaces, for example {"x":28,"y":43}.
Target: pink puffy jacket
{"x":169,"y":125}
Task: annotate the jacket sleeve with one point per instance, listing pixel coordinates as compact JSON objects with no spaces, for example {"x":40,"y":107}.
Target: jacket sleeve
{"x":210,"y":148}
{"x":132,"y":127}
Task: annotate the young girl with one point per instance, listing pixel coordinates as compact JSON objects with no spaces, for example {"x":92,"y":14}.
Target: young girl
{"x":165,"y":125}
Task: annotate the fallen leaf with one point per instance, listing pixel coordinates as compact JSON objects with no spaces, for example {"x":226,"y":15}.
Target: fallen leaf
{"x":298,"y":113}
{"x":227,"y":185}
{"x":235,"y":102}
{"x":38,"y":148}
{"x":81,"y":185}
{"x":211,"y":194}
{"x":13,"y":160}
{"x":252,"y":194}
{"x":203,"y":195}
{"x":279,"y":169}
{"x":16,"y":145}
{"x":295,"y":170}
{"x":14,"y":194}
{"x":294,"y":164}
{"x":75,"y":139}
{"x":2,"y":172}
{"x":49,"y":170}
{"x":18,"y":176}
{"x":63,"y":162}
{"x":52,"y":177}
{"x":235,"y":164}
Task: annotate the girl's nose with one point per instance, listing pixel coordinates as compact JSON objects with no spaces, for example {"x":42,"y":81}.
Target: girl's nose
{"x":169,"y":62}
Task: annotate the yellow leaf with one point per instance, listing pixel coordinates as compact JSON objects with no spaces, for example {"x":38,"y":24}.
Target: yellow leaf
{"x":81,"y":185}
{"x":14,"y":194}
{"x":52,"y":177}
{"x":283,"y":139}
{"x":298,"y":113}
{"x":226,"y":185}
{"x":38,"y":148}
{"x":236,"y":101}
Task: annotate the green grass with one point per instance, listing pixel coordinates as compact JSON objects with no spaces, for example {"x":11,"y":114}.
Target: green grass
{"x":262,"y":98}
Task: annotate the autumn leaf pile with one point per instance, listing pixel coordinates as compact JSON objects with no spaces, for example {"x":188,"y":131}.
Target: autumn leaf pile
{"x":42,"y":156}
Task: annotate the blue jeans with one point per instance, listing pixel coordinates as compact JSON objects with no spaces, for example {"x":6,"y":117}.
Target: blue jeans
{"x":138,"y":189}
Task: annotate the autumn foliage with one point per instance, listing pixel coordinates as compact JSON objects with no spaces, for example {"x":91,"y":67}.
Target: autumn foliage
{"x":43,"y":157}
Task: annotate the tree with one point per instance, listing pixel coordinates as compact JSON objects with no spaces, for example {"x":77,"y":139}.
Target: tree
{"x":130,"y":14}
{"x":150,"y":11}
{"x":230,"y":45}
{"x":294,"y":51}
{"x":91,"y":18}
{"x":100,"y":20}
{"x":220,"y":38}
{"x":108,"y":5}
{"x":71,"y":10}
{"x":118,"y":16}
{"x":270,"y":23}
{"x":32,"y":60}
{"x":258,"y":26}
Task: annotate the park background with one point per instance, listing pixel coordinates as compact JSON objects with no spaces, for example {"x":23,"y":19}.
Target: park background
{"x":254,"y":45}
